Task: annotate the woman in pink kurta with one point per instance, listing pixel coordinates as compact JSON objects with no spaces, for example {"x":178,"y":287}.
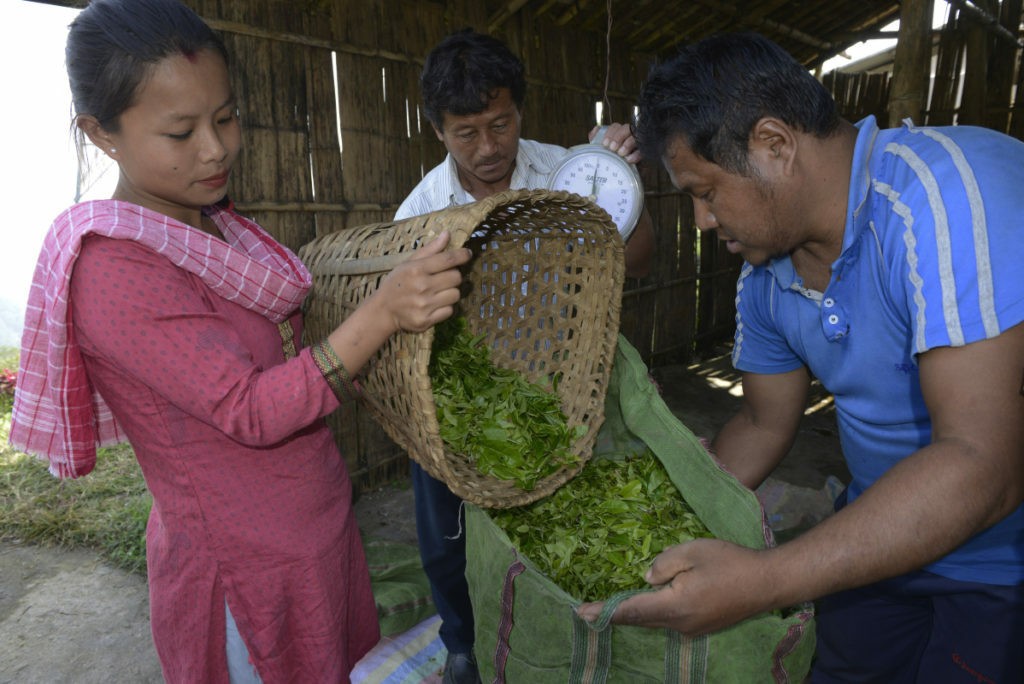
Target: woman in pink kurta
{"x":163,"y":317}
{"x":251,"y":497}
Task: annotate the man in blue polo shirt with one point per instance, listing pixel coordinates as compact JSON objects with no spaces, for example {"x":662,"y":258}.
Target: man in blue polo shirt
{"x":887,"y":264}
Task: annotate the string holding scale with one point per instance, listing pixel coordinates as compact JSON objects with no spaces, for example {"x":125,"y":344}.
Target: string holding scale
{"x":602,"y":176}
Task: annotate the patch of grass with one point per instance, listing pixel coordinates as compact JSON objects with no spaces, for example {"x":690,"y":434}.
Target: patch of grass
{"x":106,"y":510}
{"x":8,"y":357}
{"x":8,"y":367}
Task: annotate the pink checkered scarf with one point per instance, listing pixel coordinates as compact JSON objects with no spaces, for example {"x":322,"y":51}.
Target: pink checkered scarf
{"x":57,"y":414}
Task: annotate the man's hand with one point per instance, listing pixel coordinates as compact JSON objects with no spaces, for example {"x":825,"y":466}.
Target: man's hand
{"x":968,"y":478}
{"x":619,"y":138}
{"x":703,"y":586}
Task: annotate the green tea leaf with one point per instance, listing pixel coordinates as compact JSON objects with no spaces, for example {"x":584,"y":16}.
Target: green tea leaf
{"x":510,"y":428}
{"x":598,"y":533}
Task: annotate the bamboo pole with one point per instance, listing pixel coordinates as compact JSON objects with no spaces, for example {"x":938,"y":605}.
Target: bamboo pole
{"x":911,"y":63}
{"x":987,"y":21}
{"x":337,"y":207}
{"x":972,"y":104}
{"x":1002,"y":65}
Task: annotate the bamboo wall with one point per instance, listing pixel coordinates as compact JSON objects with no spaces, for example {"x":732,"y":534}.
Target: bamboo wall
{"x":319,"y":158}
{"x":976,"y":76}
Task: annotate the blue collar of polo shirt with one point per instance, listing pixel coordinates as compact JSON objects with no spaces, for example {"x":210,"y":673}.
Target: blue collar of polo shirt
{"x":856,"y":215}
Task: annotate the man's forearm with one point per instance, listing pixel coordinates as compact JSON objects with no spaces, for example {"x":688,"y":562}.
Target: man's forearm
{"x":639,"y":249}
{"x":922,"y":509}
{"x":748,"y":452}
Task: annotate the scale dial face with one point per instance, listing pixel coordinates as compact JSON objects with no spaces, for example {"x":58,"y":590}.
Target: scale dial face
{"x":608,"y":180}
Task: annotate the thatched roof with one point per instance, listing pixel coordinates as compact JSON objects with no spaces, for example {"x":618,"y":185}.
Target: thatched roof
{"x":811,"y":31}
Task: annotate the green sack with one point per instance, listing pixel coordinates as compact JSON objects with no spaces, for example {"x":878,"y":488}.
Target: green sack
{"x":526,"y":626}
{"x":400,"y":587}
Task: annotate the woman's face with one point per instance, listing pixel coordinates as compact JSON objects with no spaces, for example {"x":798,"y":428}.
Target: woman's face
{"x":179,"y":140}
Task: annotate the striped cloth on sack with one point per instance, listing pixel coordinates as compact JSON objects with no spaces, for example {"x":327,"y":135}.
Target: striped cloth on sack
{"x":413,"y":657}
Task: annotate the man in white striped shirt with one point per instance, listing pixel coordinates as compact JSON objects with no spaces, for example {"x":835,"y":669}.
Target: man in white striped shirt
{"x":473,"y":89}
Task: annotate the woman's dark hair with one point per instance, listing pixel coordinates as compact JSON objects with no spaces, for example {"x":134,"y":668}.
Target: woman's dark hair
{"x":713,"y":92}
{"x":112,"y":44}
{"x":463,"y":72}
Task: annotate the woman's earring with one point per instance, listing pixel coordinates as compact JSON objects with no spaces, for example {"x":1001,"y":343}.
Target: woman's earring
{"x":113,"y":150}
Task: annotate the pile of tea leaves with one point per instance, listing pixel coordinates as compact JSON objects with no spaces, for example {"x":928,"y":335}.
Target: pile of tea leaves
{"x":599,"y":532}
{"x":512,"y":429}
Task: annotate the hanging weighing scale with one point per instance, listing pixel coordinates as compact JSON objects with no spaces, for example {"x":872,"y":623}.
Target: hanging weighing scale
{"x":602,"y":176}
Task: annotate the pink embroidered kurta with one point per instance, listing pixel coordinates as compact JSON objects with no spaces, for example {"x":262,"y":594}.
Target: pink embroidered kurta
{"x":252,"y":501}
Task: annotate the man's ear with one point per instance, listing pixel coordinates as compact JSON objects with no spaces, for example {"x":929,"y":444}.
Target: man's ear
{"x":97,"y":135}
{"x":773,"y":141}
{"x":437,"y":132}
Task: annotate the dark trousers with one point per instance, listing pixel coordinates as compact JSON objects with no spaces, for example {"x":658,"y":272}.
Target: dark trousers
{"x":920,"y":628}
{"x":440,"y":529}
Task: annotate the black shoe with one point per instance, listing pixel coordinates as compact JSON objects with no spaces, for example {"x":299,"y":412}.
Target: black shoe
{"x":460,"y":668}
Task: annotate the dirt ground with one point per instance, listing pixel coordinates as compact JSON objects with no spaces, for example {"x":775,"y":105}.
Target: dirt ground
{"x":66,"y":616}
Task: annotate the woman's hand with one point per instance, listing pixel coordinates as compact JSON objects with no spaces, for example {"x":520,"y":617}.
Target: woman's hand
{"x":423,"y":290}
{"x":418,"y":293}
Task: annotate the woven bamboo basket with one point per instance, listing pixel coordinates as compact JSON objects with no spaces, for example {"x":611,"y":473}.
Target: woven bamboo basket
{"x":544,"y":289}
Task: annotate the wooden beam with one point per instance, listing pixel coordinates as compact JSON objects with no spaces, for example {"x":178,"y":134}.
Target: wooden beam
{"x":504,"y":14}
{"x":875,"y":26}
{"x":1002,"y":64}
{"x":909,"y":89}
{"x":742,"y":17}
{"x":976,"y":74}
{"x":548,"y":4}
{"x":301,"y":207}
{"x":986,"y":20}
{"x":876,"y":34}
{"x":309,"y":41}
{"x":577,"y":7}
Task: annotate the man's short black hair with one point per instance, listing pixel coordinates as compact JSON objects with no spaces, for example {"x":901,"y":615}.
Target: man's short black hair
{"x":462,"y":74}
{"x":713,"y":92}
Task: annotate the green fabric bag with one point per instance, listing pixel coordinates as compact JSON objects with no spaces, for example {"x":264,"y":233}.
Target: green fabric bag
{"x":526,"y":628}
{"x":400,"y":587}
